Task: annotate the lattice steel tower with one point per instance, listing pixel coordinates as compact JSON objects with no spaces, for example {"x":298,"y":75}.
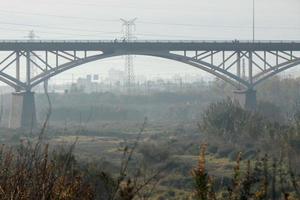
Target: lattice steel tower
{"x":128,"y":30}
{"x":32,"y":37}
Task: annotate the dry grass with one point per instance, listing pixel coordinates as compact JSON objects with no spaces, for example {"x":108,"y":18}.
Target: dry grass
{"x":30,"y":173}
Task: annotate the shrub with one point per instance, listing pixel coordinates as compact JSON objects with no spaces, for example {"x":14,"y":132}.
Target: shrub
{"x":226,"y":119}
{"x":255,"y":181}
{"x":212,"y":149}
{"x":225,"y":151}
{"x":31,"y":173}
{"x":153,"y":153}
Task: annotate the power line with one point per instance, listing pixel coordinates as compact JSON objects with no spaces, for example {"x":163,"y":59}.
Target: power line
{"x":215,"y":26}
{"x":95,"y":35}
{"x":144,"y":21}
{"x":82,"y":30}
{"x":55,"y":27}
{"x":57,"y":16}
{"x":54,"y":33}
{"x":111,"y":32}
{"x":108,"y":35}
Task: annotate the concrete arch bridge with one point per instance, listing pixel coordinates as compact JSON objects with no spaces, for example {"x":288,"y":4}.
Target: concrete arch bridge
{"x":243,"y":64}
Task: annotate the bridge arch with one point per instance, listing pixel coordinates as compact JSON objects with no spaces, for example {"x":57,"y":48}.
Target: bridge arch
{"x":269,"y":73}
{"x":11,"y":81}
{"x":216,"y":71}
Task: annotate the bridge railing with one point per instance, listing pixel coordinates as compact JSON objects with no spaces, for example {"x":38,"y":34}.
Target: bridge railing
{"x":152,"y":41}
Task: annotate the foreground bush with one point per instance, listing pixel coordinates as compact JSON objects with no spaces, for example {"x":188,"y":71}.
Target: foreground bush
{"x":30,"y":173}
{"x":261,"y":180}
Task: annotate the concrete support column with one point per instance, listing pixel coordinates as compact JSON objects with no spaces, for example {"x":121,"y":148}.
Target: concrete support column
{"x":246,"y":98}
{"x":23,"y":113}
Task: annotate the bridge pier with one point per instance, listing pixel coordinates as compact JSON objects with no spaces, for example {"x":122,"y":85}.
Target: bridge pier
{"x":246,"y":98}
{"x":23,"y":112}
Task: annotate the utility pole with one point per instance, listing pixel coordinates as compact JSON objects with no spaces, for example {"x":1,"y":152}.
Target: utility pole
{"x":253,"y":21}
{"x":128,"y":29}
{"x":244,"y":69}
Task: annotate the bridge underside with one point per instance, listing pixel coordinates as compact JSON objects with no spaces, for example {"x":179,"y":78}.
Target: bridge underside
{"x":241,"y":64}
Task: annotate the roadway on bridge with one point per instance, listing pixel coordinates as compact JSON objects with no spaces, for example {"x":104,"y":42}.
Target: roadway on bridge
{"x":139,"y":45}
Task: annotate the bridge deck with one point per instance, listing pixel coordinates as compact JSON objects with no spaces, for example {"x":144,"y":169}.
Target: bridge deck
{"x":147,"y":45}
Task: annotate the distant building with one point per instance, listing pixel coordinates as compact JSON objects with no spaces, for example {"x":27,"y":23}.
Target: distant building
{"x":85,"y":85}
{"x":96,"y":77}
{"x":89,"y":78}
{"x":116,"y":76}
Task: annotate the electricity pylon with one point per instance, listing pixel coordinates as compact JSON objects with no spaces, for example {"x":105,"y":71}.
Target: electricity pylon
{"x":31,"y":37}
{"x":33,"y":70}
{"x":128,"y":30}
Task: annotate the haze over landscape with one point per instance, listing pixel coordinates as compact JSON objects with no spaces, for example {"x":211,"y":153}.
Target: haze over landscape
{"x":150,"y":100}
{"x":176,"y":20}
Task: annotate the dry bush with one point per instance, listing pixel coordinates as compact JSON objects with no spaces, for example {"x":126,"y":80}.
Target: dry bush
{"x":30,"y":173}
{"x":264,"y":179}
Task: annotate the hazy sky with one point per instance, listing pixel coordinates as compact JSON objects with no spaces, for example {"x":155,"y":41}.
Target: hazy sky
{"x":157,"y":19}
